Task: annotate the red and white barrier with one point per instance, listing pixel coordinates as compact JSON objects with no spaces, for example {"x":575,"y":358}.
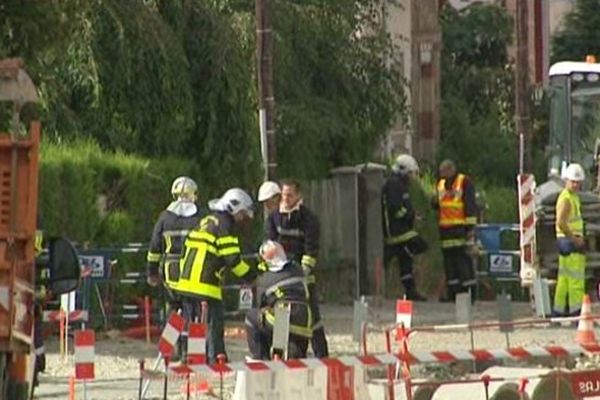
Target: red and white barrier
{"x":170,"y":335}
{"x":404,"y":310}
{"x":85,"y":341}
{"x":74,"y":316}
{"x":378,"y":360}
{"x":527,"y":221}
{"x":196,"y":346}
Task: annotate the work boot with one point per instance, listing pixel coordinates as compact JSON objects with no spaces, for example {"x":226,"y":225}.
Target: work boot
{"x":410,"y":289}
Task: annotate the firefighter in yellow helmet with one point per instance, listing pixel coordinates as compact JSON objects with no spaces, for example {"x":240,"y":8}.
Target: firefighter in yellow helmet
{"x":571,"y":244}
{"x":166,"y":245}
{"x":211,"y":248}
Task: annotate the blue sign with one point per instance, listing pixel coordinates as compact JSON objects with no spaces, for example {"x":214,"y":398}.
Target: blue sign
{"x":97,"y":263}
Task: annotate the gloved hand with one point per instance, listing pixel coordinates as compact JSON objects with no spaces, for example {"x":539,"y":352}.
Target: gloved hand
{"x":153,"y":280}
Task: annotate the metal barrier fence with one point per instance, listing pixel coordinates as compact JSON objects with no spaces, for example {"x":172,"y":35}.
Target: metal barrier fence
{"x":114,"y":297}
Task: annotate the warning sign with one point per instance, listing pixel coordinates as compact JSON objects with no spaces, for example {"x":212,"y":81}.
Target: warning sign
{"x":246,"y":298}
{"x":586,"y":383}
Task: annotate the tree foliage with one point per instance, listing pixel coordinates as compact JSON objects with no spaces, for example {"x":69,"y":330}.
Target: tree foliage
{"x":477,"y":92}
{"x":337,"y":95}
{"x":580,"y":35}
{"x":177,"y":78}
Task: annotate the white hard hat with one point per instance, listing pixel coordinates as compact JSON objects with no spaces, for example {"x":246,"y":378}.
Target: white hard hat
{"x":267,"y":190}
{"x":404,"y":164}
{"x":234,"y":200}
{"x":184,"y":186}
{"x":575,"y":173}
{"x":273,"y":254}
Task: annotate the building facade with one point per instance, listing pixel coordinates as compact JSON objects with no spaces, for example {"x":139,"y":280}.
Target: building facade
{"x":414,"y":28}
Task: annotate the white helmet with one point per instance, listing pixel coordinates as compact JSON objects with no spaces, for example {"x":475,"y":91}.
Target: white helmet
{"x":575,"y":173}
{"x":184,"y":187}
{"x":405,"y":164}
{"x":273,"y":254}
{"x":233,"y":201}
{"x":267,"y":190}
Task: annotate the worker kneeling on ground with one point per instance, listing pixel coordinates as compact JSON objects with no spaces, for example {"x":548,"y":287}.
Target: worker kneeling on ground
{"x":283,"y":284}
{"x":571,"y":245}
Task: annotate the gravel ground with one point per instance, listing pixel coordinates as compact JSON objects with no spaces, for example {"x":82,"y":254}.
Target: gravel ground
{"x":117,"y":358}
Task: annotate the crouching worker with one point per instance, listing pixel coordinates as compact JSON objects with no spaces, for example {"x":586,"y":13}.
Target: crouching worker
{"x":282,"y":284}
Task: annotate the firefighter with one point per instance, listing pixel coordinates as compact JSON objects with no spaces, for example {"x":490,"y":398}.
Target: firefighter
{"x":296,"y":227}
{"x":571,"y":245}
{"x":173,"y":225}
{"x":401,"y":241}
{"x":269,"y":194}
{"x":209,"y":249}
{"x":457,"y":217}
{"x":282,"y":284}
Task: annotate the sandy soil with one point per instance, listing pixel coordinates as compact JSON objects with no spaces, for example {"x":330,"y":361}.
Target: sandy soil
{"x":117,"y":371}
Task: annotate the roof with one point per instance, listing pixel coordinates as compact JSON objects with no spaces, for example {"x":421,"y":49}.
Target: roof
{"x":568,"y":67}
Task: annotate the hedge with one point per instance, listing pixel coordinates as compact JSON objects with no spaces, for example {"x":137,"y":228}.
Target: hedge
{"x":104,"y":198}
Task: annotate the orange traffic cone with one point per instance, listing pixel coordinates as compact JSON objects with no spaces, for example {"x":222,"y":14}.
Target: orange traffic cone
{"x":585,"y":329}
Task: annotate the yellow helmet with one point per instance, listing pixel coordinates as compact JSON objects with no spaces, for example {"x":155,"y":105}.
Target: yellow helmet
{"x":184,"y":187}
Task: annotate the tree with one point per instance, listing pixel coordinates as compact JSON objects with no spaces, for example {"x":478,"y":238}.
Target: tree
{"x":177,"y":78}
{"x":336,"y":89}
{"x":337,"y":92}
{"x":580,"y":35}
{"x":477,"y":92}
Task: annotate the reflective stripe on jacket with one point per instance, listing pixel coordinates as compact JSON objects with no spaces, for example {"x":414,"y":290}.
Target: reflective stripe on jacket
{"x":166,"y":245}
{"x":282,"y":288}
{"x":397,"y":210}
{"x":298,"y":233}
{"x":451,"y":203}
{"x":208,"y":251}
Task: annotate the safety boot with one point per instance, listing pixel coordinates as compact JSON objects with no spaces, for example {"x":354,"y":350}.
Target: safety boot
{"x":410,"y":289}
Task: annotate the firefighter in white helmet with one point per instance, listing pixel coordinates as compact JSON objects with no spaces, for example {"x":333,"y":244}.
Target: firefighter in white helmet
{"x":269,"y":194}
{"x":213,"y":246}
{"x":571,"y":245}
{"x":401,"y":240}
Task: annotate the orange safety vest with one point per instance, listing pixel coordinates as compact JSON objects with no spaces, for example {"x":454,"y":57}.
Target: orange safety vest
{"x":452,"y":206}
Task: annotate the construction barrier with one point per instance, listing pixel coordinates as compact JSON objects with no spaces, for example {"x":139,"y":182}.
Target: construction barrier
{"x":527,"y":221}
{"x":85,"y":343}
{"x":73,"y":316}
{"x":170,"y":335}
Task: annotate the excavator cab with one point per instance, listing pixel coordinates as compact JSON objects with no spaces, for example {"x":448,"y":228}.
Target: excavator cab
{"x":574,"y":94}
{"x":575,"y":118}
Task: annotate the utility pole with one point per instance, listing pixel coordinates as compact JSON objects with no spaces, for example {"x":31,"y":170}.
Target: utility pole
{"x":266,"y":96}
{"x":522,"y":84}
